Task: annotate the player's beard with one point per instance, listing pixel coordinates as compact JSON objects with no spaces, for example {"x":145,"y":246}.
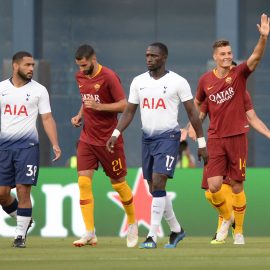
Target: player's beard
{"x":89,"y":70}
{"x":25,"y":77}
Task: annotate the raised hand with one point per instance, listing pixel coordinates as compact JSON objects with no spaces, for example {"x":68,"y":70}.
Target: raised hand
{"x":264,"y":26}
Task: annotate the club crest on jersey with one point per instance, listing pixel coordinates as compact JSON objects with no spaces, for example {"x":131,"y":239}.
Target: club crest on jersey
{"x":15,"y":110}
{"x":153,"y":104}
{"x":97,"y":86}
{"x":228,"y":80}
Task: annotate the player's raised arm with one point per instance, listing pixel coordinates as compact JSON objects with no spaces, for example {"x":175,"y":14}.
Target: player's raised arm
{"x":123,"y":123}
{"x":257,"y":54}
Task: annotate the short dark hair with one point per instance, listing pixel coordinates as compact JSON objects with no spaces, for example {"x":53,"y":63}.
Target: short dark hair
{"x":161,"y":46}
{"x":220,"y":43}
{"x":84,"y":51}
{"x":18,"y":56}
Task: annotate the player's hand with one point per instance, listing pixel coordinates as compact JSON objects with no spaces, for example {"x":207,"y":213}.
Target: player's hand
{"x":76,"y":121}
{"x":110,"y":144}
{"x":264,"y":27}
{"x":57,"y":152}
{"x":184,"y":134}
{"x":202,"y":153}
{"x":90,"y":103}
{"x":191,"y":133}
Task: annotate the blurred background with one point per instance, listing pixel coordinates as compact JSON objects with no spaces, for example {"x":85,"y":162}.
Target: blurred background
{"x":120,"y":31}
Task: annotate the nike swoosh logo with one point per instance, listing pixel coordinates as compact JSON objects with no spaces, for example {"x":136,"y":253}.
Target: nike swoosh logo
{"x":80,"y":86}
{"x":210,"y":87}
{"x":141,"y":88}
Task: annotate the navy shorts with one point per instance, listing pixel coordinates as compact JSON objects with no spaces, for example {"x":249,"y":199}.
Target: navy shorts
{"x":159,"y":155}
{"x":19,"y":166}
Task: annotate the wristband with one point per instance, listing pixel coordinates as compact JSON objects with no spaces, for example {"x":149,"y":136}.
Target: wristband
{"x":116,"y":133}
{"x":201,"y":142}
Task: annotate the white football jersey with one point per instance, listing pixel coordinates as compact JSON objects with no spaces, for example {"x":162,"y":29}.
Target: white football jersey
{"x":159,"y":100}
{"x":19,"y":111}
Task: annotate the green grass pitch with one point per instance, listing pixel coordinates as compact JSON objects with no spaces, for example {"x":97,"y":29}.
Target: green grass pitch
{"x":111,"y":253}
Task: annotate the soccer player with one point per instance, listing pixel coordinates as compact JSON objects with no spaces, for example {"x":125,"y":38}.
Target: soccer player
{"x":158,"y":92}
{"x":103,"y":98}
{"x":21,"y":100}
{"x":224,"y":90}
{"x":226,"y":189}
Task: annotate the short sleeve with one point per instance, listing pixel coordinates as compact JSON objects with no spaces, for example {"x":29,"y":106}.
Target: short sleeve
{"x":200,"y":94}
{"x":185,"y":90}
{"x":133,"y":93}
{"x":116,"y":87}
{"x":204,"y":107}
{"x":44,"y":102}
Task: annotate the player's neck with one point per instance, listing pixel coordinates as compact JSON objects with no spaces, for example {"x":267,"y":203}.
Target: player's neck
{"x":158,"y":73}
{"x":18,"y":81}
{"x":96,"y":70}
{"x":221,"y":72}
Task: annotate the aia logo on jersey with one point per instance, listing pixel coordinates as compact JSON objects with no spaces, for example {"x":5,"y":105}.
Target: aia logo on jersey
{"x":222,"y":96}
{"x":153,"y":104}
{"x":15,"y":110}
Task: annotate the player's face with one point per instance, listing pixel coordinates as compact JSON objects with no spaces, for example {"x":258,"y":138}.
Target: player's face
{"x":25,"y":68}
{"x":155,"y":59}
{"x":86,"y":65}
{"x":223,"y":56}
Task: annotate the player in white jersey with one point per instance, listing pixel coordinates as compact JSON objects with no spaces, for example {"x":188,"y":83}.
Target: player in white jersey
{"x":158,"y":92}
{"x":21,"y":99}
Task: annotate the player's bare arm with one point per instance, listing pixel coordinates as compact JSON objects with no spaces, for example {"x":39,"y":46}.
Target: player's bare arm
{"x":197,"y":125}
{"x":123,"y":123}
{"x":257,"y":123}
{"x":191,"y":131}
{"x":76,"y":120}
{"x":50,"y":129}
{"x":257,"y":54}
{"x":109,"y":107}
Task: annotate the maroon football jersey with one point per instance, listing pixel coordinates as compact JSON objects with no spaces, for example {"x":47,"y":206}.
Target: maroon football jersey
{"x":225,"y":100}
{"x":104,"y":87}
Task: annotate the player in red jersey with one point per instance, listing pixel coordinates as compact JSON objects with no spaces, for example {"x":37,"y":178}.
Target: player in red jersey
{"x":226,"y":189}
{"x":224,"y":89}
{"x":103,"y":98}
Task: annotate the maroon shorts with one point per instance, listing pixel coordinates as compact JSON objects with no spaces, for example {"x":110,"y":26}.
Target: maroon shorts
{"x":204,"y":185}
{"x":227,"y":157}
{"x":89,"y":156}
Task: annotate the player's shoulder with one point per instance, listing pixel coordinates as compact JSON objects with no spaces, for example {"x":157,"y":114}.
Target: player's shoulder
{"x":36,"y":86}
{"x":5,"y":83}
{"x":206,"y":75}
{"x":142,"y":76}
{"x":175,"y":76}
{"x":108,"y":72}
